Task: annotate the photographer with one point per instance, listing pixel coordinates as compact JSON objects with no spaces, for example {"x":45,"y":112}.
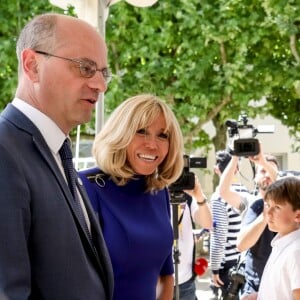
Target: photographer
{"x":195,"y":209}
{"x":253,"y":235}
{"x":227,"y":221}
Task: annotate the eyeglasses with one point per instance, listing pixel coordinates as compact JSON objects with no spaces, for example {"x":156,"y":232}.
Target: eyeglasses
{"x":87,"y":67}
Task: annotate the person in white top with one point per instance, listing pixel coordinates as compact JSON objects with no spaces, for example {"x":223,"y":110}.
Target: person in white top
{"x":199,"y":212}
{"x":281,"y":276}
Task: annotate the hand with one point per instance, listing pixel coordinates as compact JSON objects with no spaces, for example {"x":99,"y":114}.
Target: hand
{"x":197,"y":192}
{"x":216,"y":280}
{"x":259,"y":158}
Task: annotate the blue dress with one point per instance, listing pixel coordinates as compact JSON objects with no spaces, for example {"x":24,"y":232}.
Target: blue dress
{"x":138,"y":233}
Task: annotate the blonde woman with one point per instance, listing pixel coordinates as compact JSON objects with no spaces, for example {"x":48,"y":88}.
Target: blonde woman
{"x":139,"y":152}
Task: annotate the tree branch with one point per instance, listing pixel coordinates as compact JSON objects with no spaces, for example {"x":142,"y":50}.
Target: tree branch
{"x":210,"y":116}
{"x":294,"y":48}
{"x":213,"y":112}
{"x":223,"y":53}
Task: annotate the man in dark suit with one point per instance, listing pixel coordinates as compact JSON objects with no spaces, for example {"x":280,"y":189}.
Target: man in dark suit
{"x":48,"y":249}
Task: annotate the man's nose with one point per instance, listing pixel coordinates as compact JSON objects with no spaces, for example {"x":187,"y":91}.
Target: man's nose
{"x":98,"y":82}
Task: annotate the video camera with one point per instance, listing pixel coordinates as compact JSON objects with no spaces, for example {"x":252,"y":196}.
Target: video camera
{"x":237,"y":281}
{"x":244,"y":143}
{"x":186,"y":181}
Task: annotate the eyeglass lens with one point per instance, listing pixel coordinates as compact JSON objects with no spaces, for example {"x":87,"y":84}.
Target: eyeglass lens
{"x":89,"y":69}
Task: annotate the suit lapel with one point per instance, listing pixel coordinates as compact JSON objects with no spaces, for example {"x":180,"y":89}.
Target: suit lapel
{"x":97,"y":245}
{"x":13,"y":115}
{"x":48,"y":156}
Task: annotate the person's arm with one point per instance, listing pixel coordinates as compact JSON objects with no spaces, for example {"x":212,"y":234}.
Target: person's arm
{"x":202,"y":215}
{"x":231,"y":197}
{"x":218,"y":236}
{"x":250,"y":234}
{"x":296,"y":294}
{"x":165,"y":287}
{"x":15,"y":225}
{"x":260,"y":159}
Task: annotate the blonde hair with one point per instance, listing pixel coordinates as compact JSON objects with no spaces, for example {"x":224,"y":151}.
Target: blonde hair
{"x":111,"y":142}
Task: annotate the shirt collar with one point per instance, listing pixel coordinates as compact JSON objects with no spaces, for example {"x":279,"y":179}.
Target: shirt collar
{"x":52,"y":134}
{"x":283,"y":241}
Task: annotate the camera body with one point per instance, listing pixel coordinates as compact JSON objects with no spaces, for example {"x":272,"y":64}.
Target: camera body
{"x":186,"y":181}
{"x":237,"y":281}
{"x":242,"y":133}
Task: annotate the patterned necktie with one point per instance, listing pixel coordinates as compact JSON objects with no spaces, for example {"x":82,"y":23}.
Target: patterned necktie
{"x":67,"y":162}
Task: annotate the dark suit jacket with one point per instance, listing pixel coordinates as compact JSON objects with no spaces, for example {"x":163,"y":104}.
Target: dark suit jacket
{"x":44,"y":251}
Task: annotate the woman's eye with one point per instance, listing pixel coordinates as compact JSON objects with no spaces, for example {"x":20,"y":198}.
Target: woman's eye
{"x":163,"y":136}
{"x":142,"y":131}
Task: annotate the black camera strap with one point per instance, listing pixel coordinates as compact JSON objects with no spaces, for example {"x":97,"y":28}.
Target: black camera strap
{"x":181,"y":215}
{"x":189,"y":203}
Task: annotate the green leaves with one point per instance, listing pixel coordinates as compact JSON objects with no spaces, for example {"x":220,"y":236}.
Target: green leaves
{"x":13,"y":16}
{"x":207,"y":59}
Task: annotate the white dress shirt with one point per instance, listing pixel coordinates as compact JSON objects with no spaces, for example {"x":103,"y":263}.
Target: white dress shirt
{"x":51,"y":133}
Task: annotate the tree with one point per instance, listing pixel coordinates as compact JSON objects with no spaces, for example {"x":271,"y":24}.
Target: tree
{"x":208,"y":59}
{"x":13,"y":16}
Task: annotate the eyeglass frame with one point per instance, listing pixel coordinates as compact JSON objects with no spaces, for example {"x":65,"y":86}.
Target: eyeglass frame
{"x":105,"y":71}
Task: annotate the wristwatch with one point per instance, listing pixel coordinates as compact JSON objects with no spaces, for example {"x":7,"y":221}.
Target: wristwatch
{"x":202,"y":202}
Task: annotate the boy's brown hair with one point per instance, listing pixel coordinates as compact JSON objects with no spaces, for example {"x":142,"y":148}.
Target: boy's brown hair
{"x":286,"y":189}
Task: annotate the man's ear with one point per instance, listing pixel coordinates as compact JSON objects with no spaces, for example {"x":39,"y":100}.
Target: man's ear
{"x":30,"y":64}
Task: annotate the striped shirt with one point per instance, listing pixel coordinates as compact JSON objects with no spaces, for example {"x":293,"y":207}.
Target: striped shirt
{"x":227,"y":224}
